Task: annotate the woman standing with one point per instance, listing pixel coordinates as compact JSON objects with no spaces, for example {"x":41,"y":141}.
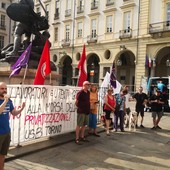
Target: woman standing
{"x":120,"y":111}
{"x":110,"y":104}
{"x":93,"y":110}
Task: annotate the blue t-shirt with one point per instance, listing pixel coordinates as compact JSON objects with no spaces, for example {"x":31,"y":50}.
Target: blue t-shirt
{"x":4,"y":117}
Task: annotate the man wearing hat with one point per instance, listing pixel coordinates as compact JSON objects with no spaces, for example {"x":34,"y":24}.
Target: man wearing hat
{"x":83,"y":110}
{"x":157,"y":102}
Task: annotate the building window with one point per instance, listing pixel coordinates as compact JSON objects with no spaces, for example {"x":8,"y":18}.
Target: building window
{"x":94,"y":31}
{"x":56,"y":34}
{"x":57,"y":9}
{"x":47,"y":9}
{"x":2,"y":22}
{"x":3,"y":5}
{"x":105,"y":70}
{"x":67,"y":33}
{"x":168,"y":12}
{"x":109,"y":24}
{"x":127,"y":20}
{"x":1,"y":42}
{"x":79,"y":26}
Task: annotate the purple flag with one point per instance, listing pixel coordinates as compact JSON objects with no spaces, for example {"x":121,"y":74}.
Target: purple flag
{"x":147,"y":61}
{"x":21,"y":62}
{"x":113,"y":76}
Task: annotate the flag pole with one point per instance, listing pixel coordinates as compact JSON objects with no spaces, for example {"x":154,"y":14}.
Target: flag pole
{"x":50,"y":78}
{"x":25,"y":72}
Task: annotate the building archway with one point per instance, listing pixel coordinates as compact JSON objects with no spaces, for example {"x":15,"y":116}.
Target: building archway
{"x":125,"y":68}
{"x":161,"y":63}
{"x":93,"y":69}
{"x":67,"y":70}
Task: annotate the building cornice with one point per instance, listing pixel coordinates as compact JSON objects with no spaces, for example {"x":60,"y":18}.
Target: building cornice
{"x":128,"y":5}
{"x":94,"y":14}
{"x":80,"y":17}
{"x":109,"y":10}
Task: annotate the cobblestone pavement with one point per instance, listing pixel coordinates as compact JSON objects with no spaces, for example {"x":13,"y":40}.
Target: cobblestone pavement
{"x":144,"y":149}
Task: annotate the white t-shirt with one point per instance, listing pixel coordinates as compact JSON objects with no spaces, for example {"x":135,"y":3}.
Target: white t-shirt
{"x":128,"y":96}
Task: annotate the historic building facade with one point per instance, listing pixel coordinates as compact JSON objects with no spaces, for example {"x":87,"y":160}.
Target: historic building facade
{"x":6,"y":25}
{"x":123,"y":32}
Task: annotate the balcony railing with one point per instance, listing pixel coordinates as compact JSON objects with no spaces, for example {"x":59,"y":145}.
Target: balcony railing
{"x":66,"y":42}
{"x":56,"y":16}
{"x":92,"y":38}
{"x":2,"y":27}
{"x":126,"y":33}
{"x":109,"y":2}
{"x":94,"y":5}
{"x":159,"y":27}
{"x":80,"y":9}
{"x":67,"y":12}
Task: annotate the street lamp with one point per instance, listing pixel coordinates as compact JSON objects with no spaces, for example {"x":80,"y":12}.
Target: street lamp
{"x":119,"y":62}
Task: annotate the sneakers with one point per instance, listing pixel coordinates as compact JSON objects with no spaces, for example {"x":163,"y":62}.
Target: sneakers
{"x":108,"y":134}
{"x":153,"y":128}
{"x":142,"y":126}
{"x":158,"y":127}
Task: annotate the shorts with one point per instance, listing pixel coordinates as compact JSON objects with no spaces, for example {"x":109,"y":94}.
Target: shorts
{"x":159,"y":114}
{"x":82,"y":119}
{"x":141,"y":111}
{"x":92,"y":120}
{"x":5,"y":140}
{"x":107,"y":116}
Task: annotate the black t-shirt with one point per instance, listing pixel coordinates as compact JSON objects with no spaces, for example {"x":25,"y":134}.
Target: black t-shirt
{"x":140,"y":98}
{"x":156,"y":107}
{"x":83,"y":102}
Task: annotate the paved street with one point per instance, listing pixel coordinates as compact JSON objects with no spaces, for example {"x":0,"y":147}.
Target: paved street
{"x":143,"y":149}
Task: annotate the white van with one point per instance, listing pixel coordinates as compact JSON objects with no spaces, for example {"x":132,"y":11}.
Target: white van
{"x":152,"y":85}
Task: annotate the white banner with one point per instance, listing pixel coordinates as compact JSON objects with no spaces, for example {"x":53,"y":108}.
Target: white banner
{"x":50,"y":110}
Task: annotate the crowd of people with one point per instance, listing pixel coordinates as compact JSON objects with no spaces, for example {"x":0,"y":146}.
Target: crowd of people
{"x":115,"y":108}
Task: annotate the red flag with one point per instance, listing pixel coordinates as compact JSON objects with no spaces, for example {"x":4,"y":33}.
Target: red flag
{"x":44,"y":66}
{"x":82,"y":68}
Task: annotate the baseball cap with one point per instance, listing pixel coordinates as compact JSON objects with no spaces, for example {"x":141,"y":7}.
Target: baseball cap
{"x":86,"y":83}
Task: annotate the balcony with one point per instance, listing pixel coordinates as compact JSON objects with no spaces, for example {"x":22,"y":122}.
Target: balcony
{"x":92,"y":38}
{"x":66,"y":42}
{"x":56,"y":16}
{"x":109,"y":2}
{"x":67,"y":12}
{"x":159,"y":27}
{"x":2,"y":27}
{"x":80,"y":9}
{"x":94,"y":5}
{"x":127,"y":33}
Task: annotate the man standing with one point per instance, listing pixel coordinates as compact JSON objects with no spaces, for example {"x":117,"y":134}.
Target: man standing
{"x":141,"y":99}
{"x":6,"y":106}
{"x":157,"y":102}
{"x":83,"y":110}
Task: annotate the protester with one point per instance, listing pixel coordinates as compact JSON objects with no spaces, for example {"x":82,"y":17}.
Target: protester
{"x":141,"y":100}
{"x":83,"y":110}
{"x":161,"y":86}
{"x":120,"y":110}
{"x":93,"y":110}
{"x":157,"y":102}
{"x":109,"y":107}
{"x":127,"y":103}
{"x":6,"y":106}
